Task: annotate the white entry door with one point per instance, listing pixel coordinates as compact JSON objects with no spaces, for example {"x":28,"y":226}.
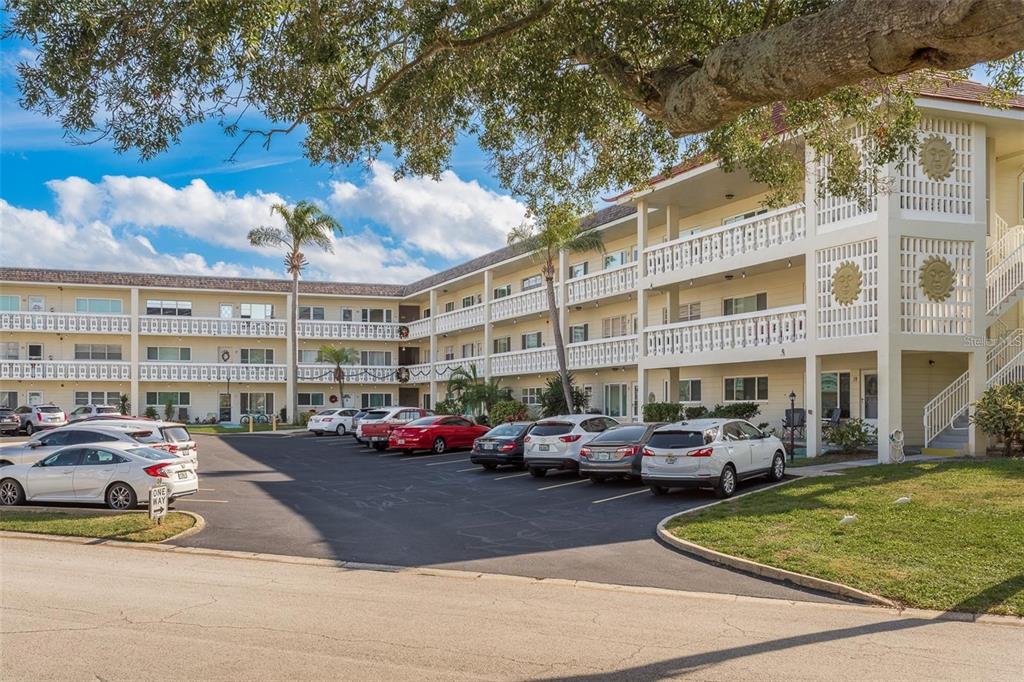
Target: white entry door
{"x":615,"y":400}
{"x":869,"y":396}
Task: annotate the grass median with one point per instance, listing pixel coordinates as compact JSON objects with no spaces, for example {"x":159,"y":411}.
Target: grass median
{"x":217,"y":428}
{"x":134,"y":527}
{"x":958,"y":545}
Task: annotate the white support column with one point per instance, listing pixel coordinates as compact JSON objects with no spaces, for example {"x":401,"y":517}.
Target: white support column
{"x":977,"y":368}
{"x":433,"y":348}
{"x":890,"y":399}
{"x":290,"y":352}
{"x":812,"y":403}
{"x":977,"y":365}
{"x":641,"y":305}
{"x":672,"y":214}
{"x":488,"y":332}
{"x":890,"y":348}
{"x":134,"y":394}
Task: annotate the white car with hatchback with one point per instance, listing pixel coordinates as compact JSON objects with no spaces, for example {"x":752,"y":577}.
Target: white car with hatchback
{"x":555,"y":442}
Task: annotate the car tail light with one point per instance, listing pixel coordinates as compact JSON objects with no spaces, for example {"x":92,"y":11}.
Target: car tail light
{"x":327,"y":419}
{"x":627,"y":451}
{"x":65,"y":416}
{"x":585,"y":452}
{"x":570,"y":438}
{"x":39,"y":416}
{"x":507,"y":447}
{"x":526,"y":440}
{"x":171,"y":447}
{"x":702,"y":452}
{"x":647,"y":452}
{"x":157,"y":470}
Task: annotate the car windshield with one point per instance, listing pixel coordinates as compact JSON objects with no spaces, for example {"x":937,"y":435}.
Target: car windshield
{"x":621,"y":434}
{"x":375,"y":414}
{"x":424,"y":421}
{"x":506,"y":431}
{"x":550,"y":428}
{"x":106,"y":409}
{"x":670,"y":440}
{"x":48,"y":408}
{"x":146,"y":437}
{"x":326,"y":413}
{"x":176,"y":434}
{"x":150,"y":453}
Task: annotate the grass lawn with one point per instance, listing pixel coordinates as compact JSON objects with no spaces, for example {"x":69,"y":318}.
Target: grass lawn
{"x":130,"y":527}
{"x":217,"y":428}
{"x":958,"y":545}
{"x":829,"y":459}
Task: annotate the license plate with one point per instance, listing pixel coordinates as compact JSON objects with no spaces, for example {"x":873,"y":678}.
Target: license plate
{"x":401,"y":441}
{"x":670,"y":459}
{"x":543,"y":447}
{"x":602,"y":456}
{"x":182,"y":474}
{"x":489,"y":446}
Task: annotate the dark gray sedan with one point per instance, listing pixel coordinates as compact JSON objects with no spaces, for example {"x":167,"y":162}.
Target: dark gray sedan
{"x":616,"y":453}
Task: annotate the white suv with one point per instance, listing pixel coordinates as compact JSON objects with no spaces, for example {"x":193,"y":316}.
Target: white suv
{"x":710,"y":453}
{"x":333,"y":420}
{"x":555,"y":442}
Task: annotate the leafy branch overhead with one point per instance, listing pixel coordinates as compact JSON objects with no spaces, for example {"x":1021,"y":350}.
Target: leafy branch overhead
{"x":569,"y":97}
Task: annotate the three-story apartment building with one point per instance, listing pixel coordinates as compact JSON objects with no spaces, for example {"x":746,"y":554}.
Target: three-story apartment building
{"x":898,"y":311}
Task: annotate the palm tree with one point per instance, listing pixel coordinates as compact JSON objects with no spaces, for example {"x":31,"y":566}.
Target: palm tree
{"x":474,"y":391}
{"x":559,"y":229}
{"x":304,"y":224}
{"x":338,"y":356}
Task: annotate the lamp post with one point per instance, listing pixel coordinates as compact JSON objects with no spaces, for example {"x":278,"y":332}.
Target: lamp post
{"x":792,"y":426}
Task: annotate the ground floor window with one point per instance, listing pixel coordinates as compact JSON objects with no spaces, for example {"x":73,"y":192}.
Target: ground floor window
{"x":257,"y":403}
{"x":9,"y":399}
{"x":531,"y":395}
{"x":311,"y":399}
{"x":835,"y":392}
{"x":689,"y":391}
{"x":160,"y":398}
{"x":34,"y":398}
{"x":97,"y":397}
{"x":615,"y":400}
{"x":375,"y":400}
{"x":746,"y":389}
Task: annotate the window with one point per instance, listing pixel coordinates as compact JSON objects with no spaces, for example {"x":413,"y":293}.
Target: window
{"x":257,"y":403}
{"x":64,"y":458}
{"x":470,"y":350}
{"x":375,"y":400}
{"x":34,"y":398}
{"x":449,"y":352}
{"x":227,"y":311}
{"x":620,"y":325}
{"x":578,"y":270}
{"x":578,"y":333}
{"x":588,"y":393}
{"x":531,"y":396}
{"x":617,"y":258}
{"x":743,"y":216}
{"x":176,"y":308}
{"x":311,"y":312}
{"x":347,"y":314}
{"x":97,"y":351}
{"x":309,"y":357}
{"x":532,"y":282}
{"x":256,"y":311}
{"x":503,"y":291}
{"x":9,"y":399}
{"x":531,"y":340}
{"x":35,"y":351}
{"x":257,"y":356}
{"x":376,"y":315}
{"x":503,"y":344}
{"x":10,"y":303}
{"x":375,"y":358}
{"x":102,"y":306}
{"x":835,"y":392}
{"x":689,"y":391}
{"x":449,"y":306}
{"x":746,"y":389}
{"x":97,"y":397}
{"x":745,"y":304}
{"x":95,"y":457}
{"x":311,"y":400}
{"x":689,"y":312}
{"x":177,"y":398}
{"x":469,"y":301}
{"x":36,"y":304}
{"x":9,"y":349}
{"x":168,"y":354}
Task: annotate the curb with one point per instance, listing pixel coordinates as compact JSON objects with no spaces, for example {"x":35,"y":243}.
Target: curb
{"x":456,"y":574}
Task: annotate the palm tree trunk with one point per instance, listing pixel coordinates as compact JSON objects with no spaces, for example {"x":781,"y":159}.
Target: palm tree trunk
{"x":341,"y":386}
{"x":294,"y":334}
{"x":563,"y":371}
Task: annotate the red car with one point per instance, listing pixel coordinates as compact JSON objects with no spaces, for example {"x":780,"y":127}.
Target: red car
{"x":377,"y":432}
{"x":439,"y":433}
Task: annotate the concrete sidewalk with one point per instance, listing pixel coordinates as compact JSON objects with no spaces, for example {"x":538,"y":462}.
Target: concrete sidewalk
{"x":231,"y":618}
{"x":836,"y":468}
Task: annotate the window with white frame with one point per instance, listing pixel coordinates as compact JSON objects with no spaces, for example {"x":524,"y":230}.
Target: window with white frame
{"x":449,"y":352}
{"x":36,"y":304}
{"x":347,"y":314}
{"x":9,"y":399}
{"x":469,"y":301}
{"x":746,"y":389}
{"x":470,"y":350}
{"x":578,"y":270}
{"x":176,"y":398}
{"x":689,"y":391}
{"x":449,"y":306}
{"x":616,"y":258}
{"x":532,"y":282}
{"x":743,"y":216}
{"x":9,"y":349}
{"x":588,"y":393}
{"x":531,"y":395}
{"x":168,"y":354}
{"x":619,"y":325}
{"x":689,"y":312}
{"x":97,"y":397}
{"x":376,"y":314}
{"x":309,"y":357}
{"x":10,"y":303}
{"x":375,"y":358}
{"x":257,"y":356}
{"x":35,"y":351}
{"x":311,"y":399}
{"x":375,"y":400}
{"x":257,"y":403}
{"x":156,"y":306}
{"x":502,"y":291}
{"x":578,"y":333}
{"x":256,"y":311}
{"x":97,"y":351}
{"x":531,"y":340}
{"x":745,"y":304}
{"x":311,"y":312}
{"x":34,"y":398}
{"x":100,"y":306}
{"x":503,"y":344}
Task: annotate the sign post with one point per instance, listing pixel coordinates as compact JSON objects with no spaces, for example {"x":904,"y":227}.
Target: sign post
{"x":158,"y":496}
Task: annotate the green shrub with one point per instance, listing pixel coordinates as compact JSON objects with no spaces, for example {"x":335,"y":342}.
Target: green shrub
{"x":852,"y":435}
{"x":552,"y":399}
{"x":151,"y":412}
{"x":1000,"y":413}
{"x":695,"y":412}
{"x":124,"y":405}
{"x":662,"y":412}
{"x":509,"y":411}
{"x":736,"y":411}
{"x":449,"y":406}
{"x":169,"y":410}
{"x":304,"y":418}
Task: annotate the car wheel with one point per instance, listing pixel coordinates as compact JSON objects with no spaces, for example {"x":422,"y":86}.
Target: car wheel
{"x":597,"y":478}
{"x":490,"y":466}
{"x":439,"y":446}
{"x":341,"y":431}
{"x":121,"y":497}
{"x":11,"y":492}
{"x":29,"y":429}
{"x":380,"y":447}
{"x":726,"y":482}
{"x":658,"y":490}
{"x":538,"y":472}
{"x":778,"y":467}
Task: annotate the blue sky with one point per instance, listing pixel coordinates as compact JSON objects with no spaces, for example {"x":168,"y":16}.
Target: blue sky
{"x":188,"y":210}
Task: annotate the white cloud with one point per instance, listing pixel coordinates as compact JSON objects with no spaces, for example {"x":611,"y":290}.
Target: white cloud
{"x":449,"y":217}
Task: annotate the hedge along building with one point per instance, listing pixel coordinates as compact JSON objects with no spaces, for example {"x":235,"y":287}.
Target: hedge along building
{"x":899,"y":312}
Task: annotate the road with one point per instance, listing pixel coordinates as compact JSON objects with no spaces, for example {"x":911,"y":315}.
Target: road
{"x":329,"y":498}
{"x":100,"y":612}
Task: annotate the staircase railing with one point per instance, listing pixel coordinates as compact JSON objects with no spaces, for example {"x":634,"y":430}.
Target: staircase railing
{"x":1006,"y":277}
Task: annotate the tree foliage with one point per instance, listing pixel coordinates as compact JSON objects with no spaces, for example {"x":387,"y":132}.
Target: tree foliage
{"x":1000,"y":413}
{"x":552,"y":398}
{"x":475,"y":393}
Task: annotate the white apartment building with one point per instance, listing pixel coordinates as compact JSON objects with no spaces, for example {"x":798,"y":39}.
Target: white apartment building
{"x":899,"y":312}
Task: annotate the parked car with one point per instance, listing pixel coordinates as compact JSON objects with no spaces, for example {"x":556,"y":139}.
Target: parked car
{"x":501,"y":445}
{"x":438,"y":433}
{"x":37,"y":417}
{"x":378,"y":432}
{"x":117,"y":474}
{"x":173,"y":438}
{"x":366,"y":417}
{"x":616,"y":452}
{"x":85,"y":411}
{"x":334,"y":420}
{"x":9,"y":421}
{"x":555,"y":442}
{"x":710,"y":453}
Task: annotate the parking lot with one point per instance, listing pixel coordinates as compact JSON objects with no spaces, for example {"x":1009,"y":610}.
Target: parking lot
{"x":328,"y":497}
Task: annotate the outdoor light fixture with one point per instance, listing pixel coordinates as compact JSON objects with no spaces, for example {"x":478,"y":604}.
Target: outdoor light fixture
{"x":730,"y":196}
{"x":729,"y":277}
{"x":743,"y":274}
{"x":931,"y":363}
{"x":789,"y":263}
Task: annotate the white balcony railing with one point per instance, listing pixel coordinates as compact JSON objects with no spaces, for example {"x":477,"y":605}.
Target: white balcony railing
{"x":602,"y":284}
{"x":782,"y":226}
{"x":211,"y":326}
{"x":369,"y":331}
{"x":610,"y":352}
{"x":65,"y":323}
{"x":352,"y":374}
{"x":459,"y":319}
{"x":775,"y":327}
{"x":418,"y":328}
{"x":212,"y":372}
{"x":523,"y":303}
{"x":60,"y":370}
{"x":444,"y":368}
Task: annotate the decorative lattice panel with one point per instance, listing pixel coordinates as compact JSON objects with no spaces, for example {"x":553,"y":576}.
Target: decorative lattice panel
{"x":836,"y":209}
{"x":846,"y":290}
{"x":936,"y":175}
{"x":936,"y":286}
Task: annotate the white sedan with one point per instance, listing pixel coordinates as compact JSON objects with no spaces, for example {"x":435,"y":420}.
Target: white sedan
{"x":334,"y":420}
{"x":118,"y":474}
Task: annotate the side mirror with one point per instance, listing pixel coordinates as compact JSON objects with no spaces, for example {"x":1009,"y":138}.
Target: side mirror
{"x":34,"y":444}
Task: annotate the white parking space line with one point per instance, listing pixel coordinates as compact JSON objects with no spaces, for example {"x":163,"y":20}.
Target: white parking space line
{"x":619,"y":497}
{"x":502,"y":478}
{"x":459,"y":471}
{"x":562,"y":485}
{"x":454,"y":461}
{"x":416,"y":457}
{"x":192,"y":499}
{"x":207,"y":490}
